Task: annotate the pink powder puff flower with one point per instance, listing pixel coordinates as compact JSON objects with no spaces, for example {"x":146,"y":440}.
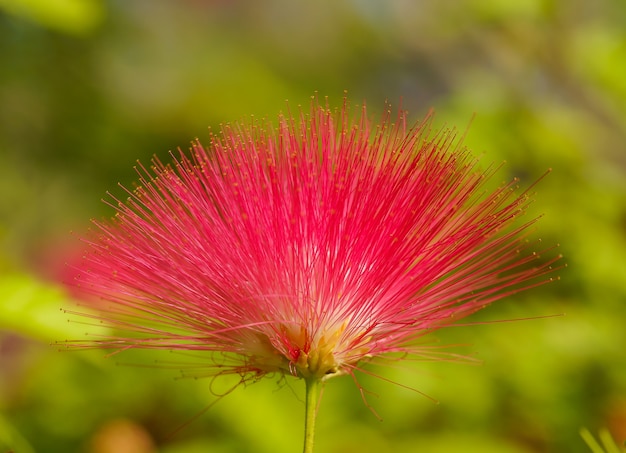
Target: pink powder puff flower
{"x":308,"y":248}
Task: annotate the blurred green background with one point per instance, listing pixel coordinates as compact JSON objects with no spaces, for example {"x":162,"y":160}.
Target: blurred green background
{"x":87,"y":87}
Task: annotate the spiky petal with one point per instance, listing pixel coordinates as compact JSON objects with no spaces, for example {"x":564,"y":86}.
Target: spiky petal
{"x":307,"y":248}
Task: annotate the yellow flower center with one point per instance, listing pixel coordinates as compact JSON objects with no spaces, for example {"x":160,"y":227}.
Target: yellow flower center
{"x":297,"y":352}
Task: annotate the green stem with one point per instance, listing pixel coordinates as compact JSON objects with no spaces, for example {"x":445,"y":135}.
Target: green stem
{"x":312,"y":396}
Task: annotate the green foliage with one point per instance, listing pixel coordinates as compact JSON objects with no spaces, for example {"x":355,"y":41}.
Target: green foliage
{"x":69,"y":16}
{"x":35,"y":309}
{"x":11,"y":440}
{"x":608,"y":444}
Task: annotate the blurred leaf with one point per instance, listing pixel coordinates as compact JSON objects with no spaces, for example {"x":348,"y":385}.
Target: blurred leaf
{"x":76,"y":17}
{"x":10,"y":439}
{"x":34,"y":309}
{"x":609,"y":444}
{"x":599,"y":53}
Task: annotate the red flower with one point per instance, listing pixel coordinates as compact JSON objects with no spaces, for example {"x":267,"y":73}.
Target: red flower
{"x":308,"y":248}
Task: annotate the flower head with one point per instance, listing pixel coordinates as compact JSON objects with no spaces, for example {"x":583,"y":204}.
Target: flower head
{"x":306,"y":248}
